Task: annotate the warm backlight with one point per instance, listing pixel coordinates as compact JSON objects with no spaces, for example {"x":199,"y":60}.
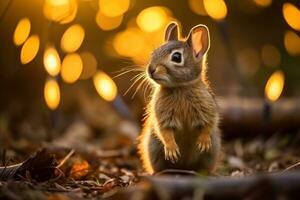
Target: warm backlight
{"x":30,"y":49}
{"x":52,"y":94}
{"x":113,"y":8}
{"x":57,"y":2}
{"x":274,"y":86}
{"x":71,"y":68}
{"x":89,"y":65}
{"x":62,"y":11}
{"x":70,"y":16}
{"x":72,"y":38}
{"x":216,"y":9}
{"x":133,"y":38}
{"x":108,"y":23}
{"x":291,"y":15}
{"x":52,"y":61}
{"x":22,"y":31}
{"x":292,"y":43}
{"x":105,"y":86}
{"x":263,"y":3}
{"x":152,"y":19}
{"x":197,"y":7}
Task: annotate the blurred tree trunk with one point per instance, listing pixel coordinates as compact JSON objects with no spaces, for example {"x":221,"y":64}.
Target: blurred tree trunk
{"x":256,"y":115}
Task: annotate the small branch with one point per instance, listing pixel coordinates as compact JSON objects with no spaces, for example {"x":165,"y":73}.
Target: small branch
{"x":66,"y":158}
{"x":176,"y":171}
{"x":292,"y":166}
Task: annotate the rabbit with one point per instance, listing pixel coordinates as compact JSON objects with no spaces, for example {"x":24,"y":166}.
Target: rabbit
{"x":181,"y":120}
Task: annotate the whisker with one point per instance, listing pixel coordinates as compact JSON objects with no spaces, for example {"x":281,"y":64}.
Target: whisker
{"x":136,"y":76}
{"x":130,"y":67}
{"x":125,"y":72}
{"x":129,"y":62}
{"x":151,"y":88}
{"x":135,"y":81}
{"x":146,"y":89}
{"x":148,"y":83}
{"x":138,"y":87}
{"x":140,"y":75}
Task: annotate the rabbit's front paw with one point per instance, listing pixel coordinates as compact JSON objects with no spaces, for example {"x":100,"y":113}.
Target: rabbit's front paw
{"x":172,"y":152}
{"x":204,"y":142}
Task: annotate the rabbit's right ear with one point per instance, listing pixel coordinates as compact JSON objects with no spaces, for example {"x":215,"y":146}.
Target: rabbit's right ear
{"x":171,"y":32}
{"x":198,"y":40}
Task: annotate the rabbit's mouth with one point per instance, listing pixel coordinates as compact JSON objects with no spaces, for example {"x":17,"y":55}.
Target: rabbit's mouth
{"x":160,"y":79}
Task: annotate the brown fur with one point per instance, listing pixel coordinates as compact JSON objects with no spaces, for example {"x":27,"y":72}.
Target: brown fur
{"x":181,"y":124}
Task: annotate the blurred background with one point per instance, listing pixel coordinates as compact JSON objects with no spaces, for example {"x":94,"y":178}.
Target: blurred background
{"x":59,"y":59}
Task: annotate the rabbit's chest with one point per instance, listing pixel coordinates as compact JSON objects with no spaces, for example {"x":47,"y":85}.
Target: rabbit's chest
{"x":188,"y":114}
{"x":184,"y":110}
{"x":180,"y":114}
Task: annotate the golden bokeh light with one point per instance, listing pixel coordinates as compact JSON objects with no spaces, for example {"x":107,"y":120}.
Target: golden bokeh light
{"x":143,"y":56}
{"x":150,"y":42}
{"x":52,"y":61}
{"x":57,"y":2}
{"x":89,"y":65}
{"x":105,"y":86}
{"x":52,"y":94}
{"x":30,"y":49}
{"x":292,"y":43}
{"x":71,"y":68}
{"x":141,"y":42}
{"x":22,"y":31}
{"x":216,"y":9}
{"x":197,"y":7}
{"x":72,"y":38}
{"x":263,"y":3}
{"x":152,"y":19}
{"x":108,"y":23}
{"x":131,"y":37}
{"x":113,"y":8}
{"x":274,"y":86}
{"x":62,"y":11}
{"x":71,"y":14}
{"x":291,"y":15}
{"x":156,"y":38}
{"x":270,"y":55}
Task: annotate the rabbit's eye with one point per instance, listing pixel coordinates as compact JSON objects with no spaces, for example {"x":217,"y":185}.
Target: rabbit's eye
{"x":176,"y":57}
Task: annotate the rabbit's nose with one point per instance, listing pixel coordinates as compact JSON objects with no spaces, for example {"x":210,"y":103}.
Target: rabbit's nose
{"x":151,"y":70}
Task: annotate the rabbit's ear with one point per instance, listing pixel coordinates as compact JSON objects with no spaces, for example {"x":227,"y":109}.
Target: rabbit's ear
{"x":198,"y":39}
{"x":171,"y":32}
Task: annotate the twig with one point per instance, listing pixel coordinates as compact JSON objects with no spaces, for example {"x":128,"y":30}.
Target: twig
{"x":66,"y":158}
{"x":292,"y":166}
{"x":176,"y":171}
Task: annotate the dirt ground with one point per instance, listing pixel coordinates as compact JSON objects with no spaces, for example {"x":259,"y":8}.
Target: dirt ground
{"x":87,"y":171}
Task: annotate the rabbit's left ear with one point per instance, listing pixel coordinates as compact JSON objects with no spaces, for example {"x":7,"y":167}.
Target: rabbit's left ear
{"x":171,"y":32}
{"x":198,"y":39}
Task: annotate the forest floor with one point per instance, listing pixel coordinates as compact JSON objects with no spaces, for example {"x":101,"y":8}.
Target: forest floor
{"x":73,"y":166}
